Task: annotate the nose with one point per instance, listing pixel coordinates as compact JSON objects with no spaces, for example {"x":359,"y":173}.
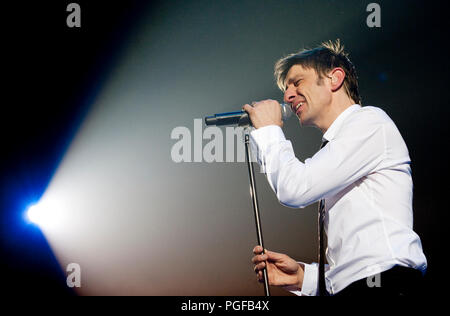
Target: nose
{"x":289,"y":94}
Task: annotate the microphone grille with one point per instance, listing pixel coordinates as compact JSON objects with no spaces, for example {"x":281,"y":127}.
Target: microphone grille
{"x":286,"y":111}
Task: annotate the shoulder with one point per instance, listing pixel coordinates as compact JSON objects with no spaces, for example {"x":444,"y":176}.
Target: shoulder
{"x":365,"y":120}
{"x":372,"y":122}
{"x":369,"y":115}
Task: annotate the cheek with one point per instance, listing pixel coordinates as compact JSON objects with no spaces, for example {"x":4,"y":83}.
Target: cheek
{"x":321,"y":96}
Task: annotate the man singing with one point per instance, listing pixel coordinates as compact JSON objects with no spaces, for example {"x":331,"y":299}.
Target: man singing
{"x":361,"y":176}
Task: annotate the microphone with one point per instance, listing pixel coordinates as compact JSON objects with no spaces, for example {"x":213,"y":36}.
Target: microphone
{"x":241,"y":118}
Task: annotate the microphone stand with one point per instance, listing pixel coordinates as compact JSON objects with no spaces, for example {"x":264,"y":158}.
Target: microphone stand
{"x":256,"y":209}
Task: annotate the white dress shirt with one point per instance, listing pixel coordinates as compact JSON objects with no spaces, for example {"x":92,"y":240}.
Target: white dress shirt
{"x":364,"y":175}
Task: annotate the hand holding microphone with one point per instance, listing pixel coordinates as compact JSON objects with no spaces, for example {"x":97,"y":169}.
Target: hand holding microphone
{"x":263,"y":113}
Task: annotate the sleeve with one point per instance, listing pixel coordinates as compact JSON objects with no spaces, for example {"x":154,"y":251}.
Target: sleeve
{"x":357,"y":150}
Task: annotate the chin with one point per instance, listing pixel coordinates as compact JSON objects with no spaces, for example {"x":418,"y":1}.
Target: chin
{"x":303,"y":121}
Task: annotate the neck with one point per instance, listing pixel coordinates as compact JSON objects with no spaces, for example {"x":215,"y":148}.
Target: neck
{"x":333,"y":111}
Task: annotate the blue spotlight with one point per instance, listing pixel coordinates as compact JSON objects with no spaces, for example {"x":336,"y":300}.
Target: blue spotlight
{"x":34,"y":214}
{"x":43,"y":214}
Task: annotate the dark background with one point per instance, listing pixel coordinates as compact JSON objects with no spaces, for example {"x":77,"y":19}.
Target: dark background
{"x":54,"y":72}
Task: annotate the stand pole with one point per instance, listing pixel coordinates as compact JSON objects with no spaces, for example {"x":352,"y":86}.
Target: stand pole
{"x":256,"y":209}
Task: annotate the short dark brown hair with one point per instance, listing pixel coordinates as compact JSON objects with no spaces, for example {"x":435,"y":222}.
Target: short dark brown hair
{"x":322,"y":59}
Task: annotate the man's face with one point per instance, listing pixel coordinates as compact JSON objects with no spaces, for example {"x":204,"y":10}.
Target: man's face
{"x":308,"y":96}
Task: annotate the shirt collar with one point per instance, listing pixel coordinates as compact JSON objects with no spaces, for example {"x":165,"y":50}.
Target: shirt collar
{"x":336,"y":125}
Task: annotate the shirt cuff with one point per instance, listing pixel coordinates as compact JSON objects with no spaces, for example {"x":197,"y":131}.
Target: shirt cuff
{"x":309,"y":286}
{"x":310,"y":279}
{"x":262,"y":138}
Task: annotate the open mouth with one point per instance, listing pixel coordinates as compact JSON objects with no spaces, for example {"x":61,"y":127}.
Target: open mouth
{"x":297,"y":107}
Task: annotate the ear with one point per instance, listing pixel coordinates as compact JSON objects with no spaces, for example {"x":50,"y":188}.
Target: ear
{"x":337,"y":76}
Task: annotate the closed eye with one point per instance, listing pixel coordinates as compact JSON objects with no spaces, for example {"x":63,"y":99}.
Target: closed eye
{"x":295,"y":83}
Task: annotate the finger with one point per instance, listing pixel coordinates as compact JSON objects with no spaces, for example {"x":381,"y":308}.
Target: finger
{"x":257,"y":250}
{"x":259,"y":258}
{"x":259,"y":276}
{"x":260,"y":266}
{"x":248,"y":108}
{"x":274,"y":255}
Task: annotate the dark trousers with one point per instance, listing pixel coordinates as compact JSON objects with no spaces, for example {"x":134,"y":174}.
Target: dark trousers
{"x":397,"y":281}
